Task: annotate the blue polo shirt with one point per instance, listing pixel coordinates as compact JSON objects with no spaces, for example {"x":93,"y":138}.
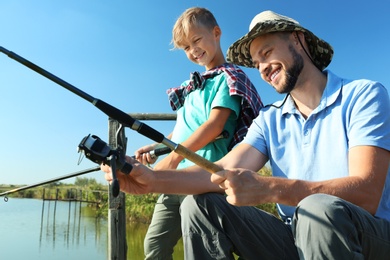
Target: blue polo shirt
{"x":350,"y":113}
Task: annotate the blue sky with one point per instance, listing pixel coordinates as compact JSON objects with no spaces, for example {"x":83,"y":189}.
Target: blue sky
{"x":119,"y":51}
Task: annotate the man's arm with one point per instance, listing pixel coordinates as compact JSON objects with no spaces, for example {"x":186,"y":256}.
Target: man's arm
{"x":368,"y":166}
{"x":192,"y":180}
{"x":363,"y":187}
{"x":195,"y":180}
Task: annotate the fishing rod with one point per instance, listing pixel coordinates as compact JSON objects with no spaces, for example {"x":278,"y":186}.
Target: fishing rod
{"x":120,"y":116}
{"x":49,"y":181}
{"x":154,"y":153}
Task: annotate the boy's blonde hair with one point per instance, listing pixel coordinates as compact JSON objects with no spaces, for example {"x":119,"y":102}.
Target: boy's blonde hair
{"x":195,"y":16}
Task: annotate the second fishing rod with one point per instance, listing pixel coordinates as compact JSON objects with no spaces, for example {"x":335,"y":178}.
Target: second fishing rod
{"x":154,"y":153}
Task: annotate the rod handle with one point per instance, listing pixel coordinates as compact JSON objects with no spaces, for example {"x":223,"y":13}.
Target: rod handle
{"x":160,"y":151}
{"x":197,"y":159}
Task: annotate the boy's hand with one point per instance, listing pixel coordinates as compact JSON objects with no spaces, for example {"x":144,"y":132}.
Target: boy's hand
{"x":143,"y":156}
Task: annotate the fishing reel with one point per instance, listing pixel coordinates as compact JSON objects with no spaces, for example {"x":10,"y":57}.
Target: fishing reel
{"x":96,"y":150}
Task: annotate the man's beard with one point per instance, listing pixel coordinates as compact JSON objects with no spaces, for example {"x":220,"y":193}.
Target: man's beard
{"x":293,"y":72}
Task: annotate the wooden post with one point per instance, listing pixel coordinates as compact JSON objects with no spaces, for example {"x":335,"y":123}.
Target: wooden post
{"x":55,"y":204}
{"x":117,"y":244}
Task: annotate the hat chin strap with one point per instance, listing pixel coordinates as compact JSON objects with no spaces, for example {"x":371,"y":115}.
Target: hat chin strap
{"x":304,"y":49}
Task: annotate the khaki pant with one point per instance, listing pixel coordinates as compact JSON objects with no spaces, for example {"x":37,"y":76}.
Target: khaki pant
{"x":324,"y":227}
{"x":164,"y":230}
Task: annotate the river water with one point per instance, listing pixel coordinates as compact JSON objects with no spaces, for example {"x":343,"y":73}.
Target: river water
{"x":31,"y":229}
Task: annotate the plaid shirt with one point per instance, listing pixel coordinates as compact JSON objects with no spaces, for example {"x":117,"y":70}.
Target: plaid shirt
{"x":239,"y":84}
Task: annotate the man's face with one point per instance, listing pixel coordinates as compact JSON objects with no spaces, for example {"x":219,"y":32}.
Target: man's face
{"x":277,"y":60}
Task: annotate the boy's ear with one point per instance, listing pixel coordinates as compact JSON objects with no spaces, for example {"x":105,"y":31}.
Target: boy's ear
{"x":217,"y":31}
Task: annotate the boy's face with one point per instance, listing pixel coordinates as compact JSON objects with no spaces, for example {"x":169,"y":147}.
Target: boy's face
{"x":201,"y":45}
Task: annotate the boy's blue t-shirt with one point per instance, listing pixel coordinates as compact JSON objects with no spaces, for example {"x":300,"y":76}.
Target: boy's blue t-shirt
{"x":196,"y":110}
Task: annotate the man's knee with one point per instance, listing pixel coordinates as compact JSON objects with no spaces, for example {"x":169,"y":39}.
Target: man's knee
{"x":188,"y":206}
{"x":320,"y":213}
{"x":198,"y":210}
{"x":195,"y":204}
{"x":318,"y":206}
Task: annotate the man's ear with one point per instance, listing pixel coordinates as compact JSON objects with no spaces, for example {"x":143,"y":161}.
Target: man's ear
{"x":298,"y":37}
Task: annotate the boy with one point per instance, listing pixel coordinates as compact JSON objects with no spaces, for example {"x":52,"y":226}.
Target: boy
{"x":220,"y":99}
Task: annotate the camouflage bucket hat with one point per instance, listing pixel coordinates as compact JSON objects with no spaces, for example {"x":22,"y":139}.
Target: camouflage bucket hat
{"x":268,"y":22}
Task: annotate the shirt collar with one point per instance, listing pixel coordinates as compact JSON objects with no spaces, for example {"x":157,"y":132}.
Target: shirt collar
{"x":331,"y":92}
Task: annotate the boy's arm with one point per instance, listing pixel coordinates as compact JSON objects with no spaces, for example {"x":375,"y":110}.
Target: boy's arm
{"x":205,"y":134}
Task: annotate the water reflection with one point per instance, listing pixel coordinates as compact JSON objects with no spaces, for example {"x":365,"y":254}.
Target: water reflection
{"x":65,"y":225}
{"x":36,"y":230}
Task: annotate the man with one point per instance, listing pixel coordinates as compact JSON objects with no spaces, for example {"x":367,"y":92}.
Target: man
{"x":328,"y":144}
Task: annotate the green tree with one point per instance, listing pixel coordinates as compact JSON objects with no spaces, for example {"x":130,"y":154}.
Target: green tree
{"x":81,"y":181}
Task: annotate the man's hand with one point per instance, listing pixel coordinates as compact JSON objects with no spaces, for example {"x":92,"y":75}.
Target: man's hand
{"x":242,"y":187}
{"x":138,"y":181}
